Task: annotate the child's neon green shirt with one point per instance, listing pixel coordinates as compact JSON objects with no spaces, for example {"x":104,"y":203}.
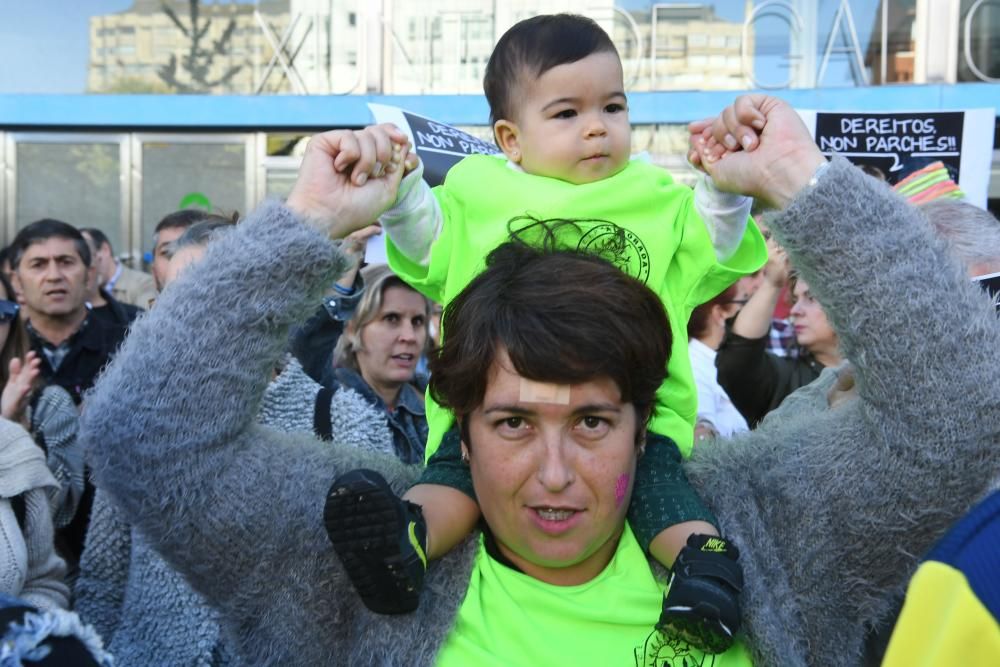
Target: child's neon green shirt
{"x":509,"y":619}
{"x":666,"y":246}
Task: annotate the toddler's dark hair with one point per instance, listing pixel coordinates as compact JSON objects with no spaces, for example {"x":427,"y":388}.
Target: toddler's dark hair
{"x":534,"y":46}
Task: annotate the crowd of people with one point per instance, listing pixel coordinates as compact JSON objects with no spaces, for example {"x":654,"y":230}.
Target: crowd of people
{"x":643,"y":431}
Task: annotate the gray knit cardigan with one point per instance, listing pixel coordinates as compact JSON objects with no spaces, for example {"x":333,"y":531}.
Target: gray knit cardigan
{"x":831,"y":507}
{"x":30,"y":569}
{"x":143,"y":609}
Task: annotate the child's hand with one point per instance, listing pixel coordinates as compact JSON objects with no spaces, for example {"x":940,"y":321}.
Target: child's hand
{"x":17,"y":391}
{"x":758,"y":146}
{"x":371,"y":153}
{"x":712,"y":138}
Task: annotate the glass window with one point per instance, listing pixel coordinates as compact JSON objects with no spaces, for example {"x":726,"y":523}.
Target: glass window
{"x":77,"y":182}
{"x":798,"y":44}
{"x":279,"y":182}
{"x":179,"y":175}
{"x":979,"y":60}
{"x":897,"y":67}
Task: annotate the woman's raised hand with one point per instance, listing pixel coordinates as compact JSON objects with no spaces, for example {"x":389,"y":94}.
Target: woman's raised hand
{"x":17,"y":392}
{"x":757,"y":146}
{"x":350,"y":177}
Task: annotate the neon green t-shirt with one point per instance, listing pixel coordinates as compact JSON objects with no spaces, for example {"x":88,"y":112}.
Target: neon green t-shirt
{"x":509,"y":619}
{"x":666,"y":246}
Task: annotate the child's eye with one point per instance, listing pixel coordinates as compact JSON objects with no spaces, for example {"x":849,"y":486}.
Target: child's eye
{"x":614,"y":107}
{"x":565,"y":113}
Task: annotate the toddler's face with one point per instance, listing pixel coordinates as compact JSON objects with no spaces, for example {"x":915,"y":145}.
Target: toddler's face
{"x":571,"y":122}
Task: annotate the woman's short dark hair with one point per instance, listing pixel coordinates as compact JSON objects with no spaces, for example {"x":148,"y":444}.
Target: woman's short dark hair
{"x":201,"y":233}
{"x":534,"y":46}
{"x":698,"y":322}
{"x":563,"y":316}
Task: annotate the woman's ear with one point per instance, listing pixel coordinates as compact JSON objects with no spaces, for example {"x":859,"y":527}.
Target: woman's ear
{"x":507,"y":135}
{"x":463,"y":430}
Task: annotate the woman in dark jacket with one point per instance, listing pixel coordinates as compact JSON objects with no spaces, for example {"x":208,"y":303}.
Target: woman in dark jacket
{"x":756,"y":380}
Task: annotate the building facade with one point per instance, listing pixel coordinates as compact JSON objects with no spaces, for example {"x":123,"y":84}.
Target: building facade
{"x":151,"y":105}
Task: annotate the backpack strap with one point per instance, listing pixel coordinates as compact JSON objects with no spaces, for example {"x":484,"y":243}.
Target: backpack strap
{"x":321,"y":415}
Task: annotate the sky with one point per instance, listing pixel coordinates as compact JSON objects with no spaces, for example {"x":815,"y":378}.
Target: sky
{"x":44,"y":43}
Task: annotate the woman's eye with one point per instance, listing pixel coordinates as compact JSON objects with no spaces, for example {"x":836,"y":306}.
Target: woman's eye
{"x":593,"y":426}
{"x":511,"y":427}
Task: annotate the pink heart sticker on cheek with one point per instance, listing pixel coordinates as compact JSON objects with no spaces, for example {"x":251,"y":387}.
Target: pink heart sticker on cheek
{"x":621,"y":488}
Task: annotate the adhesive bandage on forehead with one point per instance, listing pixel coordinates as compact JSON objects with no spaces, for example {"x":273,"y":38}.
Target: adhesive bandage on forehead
{"x":544,"y":392}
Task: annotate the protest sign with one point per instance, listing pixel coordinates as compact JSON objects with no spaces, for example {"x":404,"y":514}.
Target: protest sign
{"x":439,"y":147}
{"x":902,"y":142}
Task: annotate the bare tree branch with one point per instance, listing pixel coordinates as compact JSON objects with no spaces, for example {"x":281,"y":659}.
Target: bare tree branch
{"x":173,"y":17}
{"x":198,"y":61}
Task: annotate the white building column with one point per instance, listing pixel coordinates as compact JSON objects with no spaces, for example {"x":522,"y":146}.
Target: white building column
{"x":935,"y":41}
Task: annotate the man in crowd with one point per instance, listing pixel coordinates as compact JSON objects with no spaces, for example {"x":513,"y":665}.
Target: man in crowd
{"x":125,"y":285}
{"x":102,"y":304}
{"x":168,"y":230}
{"x":51,"y":260}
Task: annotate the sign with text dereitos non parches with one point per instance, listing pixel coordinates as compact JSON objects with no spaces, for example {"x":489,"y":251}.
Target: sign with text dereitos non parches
{"x":898,"y":143}
{"x":439,"y":146}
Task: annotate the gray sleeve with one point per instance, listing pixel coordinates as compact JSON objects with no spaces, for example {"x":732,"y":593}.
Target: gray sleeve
{"x":832,"y":507}
{"x":104,"y":568}
{"x":906,"y":313}
{"x":170,"y":431}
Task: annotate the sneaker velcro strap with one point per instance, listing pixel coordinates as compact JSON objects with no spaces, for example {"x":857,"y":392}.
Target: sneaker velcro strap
{"x":694,"y":563}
